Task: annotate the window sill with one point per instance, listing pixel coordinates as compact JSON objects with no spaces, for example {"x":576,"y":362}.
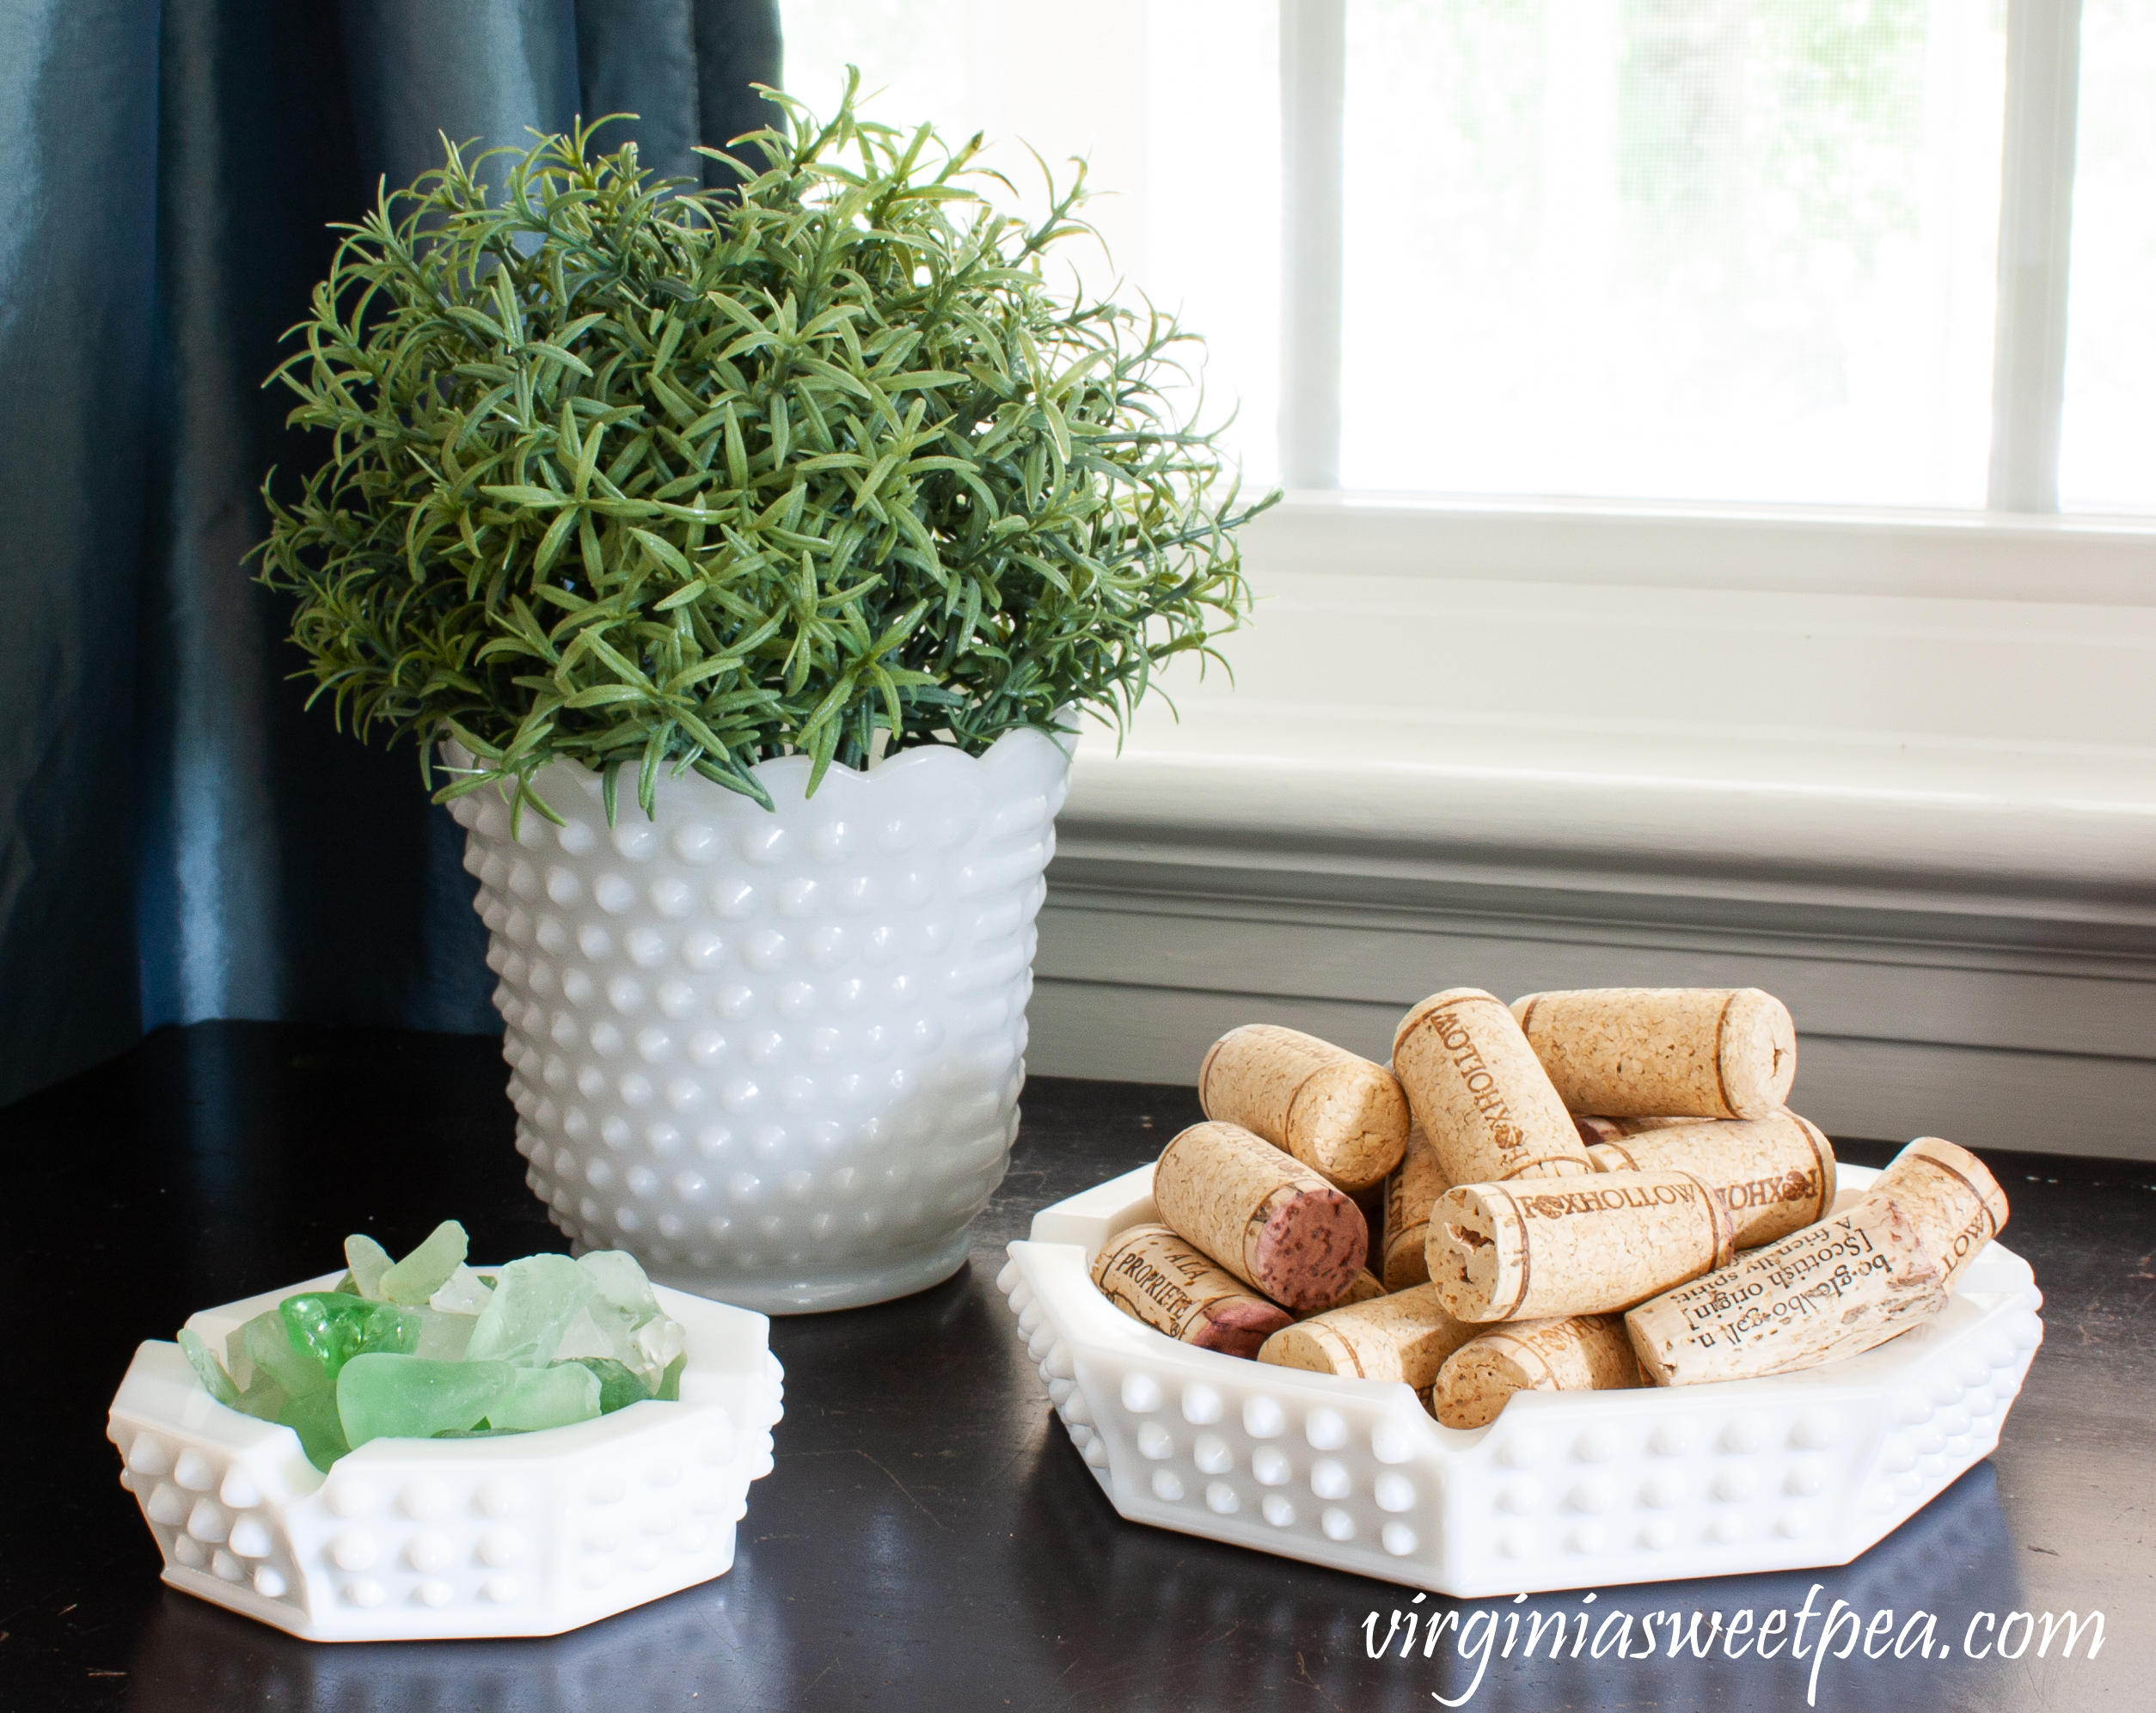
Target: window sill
{"x":1575,"y":692}
{"x":1879,"y":552}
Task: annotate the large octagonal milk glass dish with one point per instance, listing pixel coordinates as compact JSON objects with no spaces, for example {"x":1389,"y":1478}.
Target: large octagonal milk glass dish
{"x":1563,"y":1490}
{"x":774,"y":1054}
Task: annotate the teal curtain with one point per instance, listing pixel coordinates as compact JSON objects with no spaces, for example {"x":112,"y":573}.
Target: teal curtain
{"x":178,"y":838}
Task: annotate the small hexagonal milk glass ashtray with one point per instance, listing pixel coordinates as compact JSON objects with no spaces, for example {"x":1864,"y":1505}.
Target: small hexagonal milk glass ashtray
{"x":774,"y":1054}
{"x":1564,"y":1490}
{"x":519,"y":1534}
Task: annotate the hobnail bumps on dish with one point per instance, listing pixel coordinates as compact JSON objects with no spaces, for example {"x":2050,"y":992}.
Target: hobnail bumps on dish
{"x":527,"y":1534}
{"x":1564,"y":1490}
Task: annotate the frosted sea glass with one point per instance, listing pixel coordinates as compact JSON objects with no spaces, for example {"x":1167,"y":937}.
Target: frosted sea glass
{"x":534,"y":1299}
{"x":368,"y":1261}
{"x":618,"y":1387}
{"x":210,"y":1371}
{"x":622,"y":1322}
{"x":443,"y":1337}
{"x":386,"y":1397}
{"x":427,"y":1346}
{"x":547,"y":1398}
{"x":264,"y":1363}
{"x":464,"y":1292}
{"x":416,"y":1278}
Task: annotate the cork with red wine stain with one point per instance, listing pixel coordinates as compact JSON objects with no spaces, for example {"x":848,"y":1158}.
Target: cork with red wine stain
{"x":1261,"y":1214}
{"x":1157,"y":1277}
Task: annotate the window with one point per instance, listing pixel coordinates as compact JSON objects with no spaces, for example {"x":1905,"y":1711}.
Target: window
{"x":1679,"y":250}
{"x":1670,"y":249}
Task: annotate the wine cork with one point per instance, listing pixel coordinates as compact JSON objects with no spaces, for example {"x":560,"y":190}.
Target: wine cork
{"x":1541,"y":1250}
{"x":1261,"y":1214}
{"x":1831,"y":1290}
{"x":1593,"y":1129}
{"x":1479,"y":1093}
{"x":1774,"y":1175}
{"x":1711,"y":1052}
{"x":1580,"y":1353}
{"x":1954,"y":1202}
{"x":1409,"y":1194}
{"x":1341,"y":1115}
{"x":1152,"y":1276}
{"x":1403,"y":1336}
{"x":1362,"y":1288}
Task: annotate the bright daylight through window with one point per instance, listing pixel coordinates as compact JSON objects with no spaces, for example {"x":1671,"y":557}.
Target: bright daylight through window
{"x":1733,"y":250}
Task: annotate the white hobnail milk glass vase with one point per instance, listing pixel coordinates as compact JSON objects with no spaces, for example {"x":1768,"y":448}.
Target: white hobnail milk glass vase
{"x":773,"y":1054}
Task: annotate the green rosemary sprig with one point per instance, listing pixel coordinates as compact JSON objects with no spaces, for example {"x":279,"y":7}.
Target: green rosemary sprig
{"x":631,"y":475}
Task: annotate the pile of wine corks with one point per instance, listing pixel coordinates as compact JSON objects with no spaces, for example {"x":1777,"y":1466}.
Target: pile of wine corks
{"x":1580,"y":1192}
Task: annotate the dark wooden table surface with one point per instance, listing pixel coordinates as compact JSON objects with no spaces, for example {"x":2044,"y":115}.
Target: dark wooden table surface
{"x":928,"y":1537}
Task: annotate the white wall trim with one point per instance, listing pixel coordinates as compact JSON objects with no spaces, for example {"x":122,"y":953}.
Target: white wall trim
{"x":1862,"y":551}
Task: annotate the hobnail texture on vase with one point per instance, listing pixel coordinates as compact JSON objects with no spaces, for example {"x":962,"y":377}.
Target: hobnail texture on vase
{"x":1563,"y":1490}
{"x":774,"y":1054}
{"x":527,"y":1534}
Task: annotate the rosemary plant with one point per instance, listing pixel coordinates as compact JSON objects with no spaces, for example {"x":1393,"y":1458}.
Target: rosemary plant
{"x":626,"y":475}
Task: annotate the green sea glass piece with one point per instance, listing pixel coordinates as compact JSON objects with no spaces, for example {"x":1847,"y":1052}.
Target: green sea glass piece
{"x":443,"y":1337}
{"x":210,"y":1371}
{"x":416,"y":1278}
{"x":548,"y":1398}
{"x":288,"y":1383}
{"x":428,"y":1348}
{"x":314,"y":1418}
{"x":381,"y":1395}
{"x":626,"y":1322}
{"x":333,"y":1328}
{"x":619,"y":1387}
{"x":533,"y":1301}
{"x":368,"y":1261}
{"x":463,"y":1292}
{"x":275,"y":1369}
{"x":621,"y":1282}
{"x":660,"y":1344}
{"x":595,"y":1330}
